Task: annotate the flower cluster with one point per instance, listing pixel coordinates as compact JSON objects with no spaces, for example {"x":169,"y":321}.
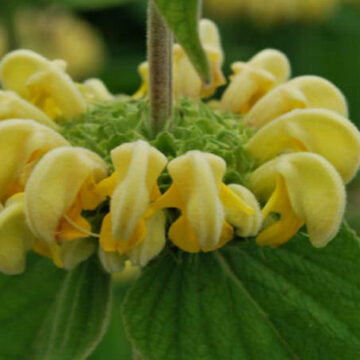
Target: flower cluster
{"x":47,"y":184}
{"x":66,"y":202}
{"x":36,"y":93}
{"x":56,"y":33}
{"x":305,"y":148}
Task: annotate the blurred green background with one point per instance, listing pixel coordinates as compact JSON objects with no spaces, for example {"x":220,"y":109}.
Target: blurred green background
{"x":110,"y":43}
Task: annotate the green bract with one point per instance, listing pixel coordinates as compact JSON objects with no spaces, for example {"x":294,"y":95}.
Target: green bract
{"x":195,"y":126}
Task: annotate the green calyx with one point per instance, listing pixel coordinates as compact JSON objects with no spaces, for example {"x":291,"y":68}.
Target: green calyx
{"x":195,"y":126}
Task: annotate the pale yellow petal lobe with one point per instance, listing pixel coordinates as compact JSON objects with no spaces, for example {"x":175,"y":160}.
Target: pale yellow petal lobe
{"x":13,"y":106}
{"x":315,"y":130}
{"x":252,"y":80}
{"x":42,"y":82}
{"x":248,"y":221}
{"x":22,"y":143}
{"x":137,"y":167}
{"x":312,"y":192}
{"x":299,"y":93}
{"x":55,"y":190}
{"x":15,"y":236}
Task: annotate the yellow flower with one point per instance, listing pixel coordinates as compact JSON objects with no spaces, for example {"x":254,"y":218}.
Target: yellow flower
{"x":42,"y":82}
{"x":56,"y":33}
{"x":315,"y":130}
{"x":22,"y":144}
{"x":207,"y":205}
{"x":252,"y":80}
{"x":13,"y":106}
{"x":300,"y":189}
{"x":141,"y":251}
{"x":94,"y":90}
{"x":186,"y":80}
{"x":299,"y":93}
{"x":128,"y":229}
{"x":246,"y":224}
{"x":15,"y":237}
{"x":60,"y":187}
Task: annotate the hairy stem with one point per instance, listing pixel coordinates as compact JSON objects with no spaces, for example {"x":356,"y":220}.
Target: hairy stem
{"x":160,"y":69}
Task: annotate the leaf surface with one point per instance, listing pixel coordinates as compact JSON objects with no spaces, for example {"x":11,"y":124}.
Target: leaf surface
{"x":50,"y":314}
{"x":246,"y":302}
{"x":182,"y":18}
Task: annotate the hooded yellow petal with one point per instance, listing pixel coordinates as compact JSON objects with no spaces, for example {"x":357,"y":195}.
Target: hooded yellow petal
{"x":279,"y":231}
{"x":195,"y":190}
{"x":15,"y":236}
{"x":13,"y":106}
{"x":187,"y":82}
{"x":153,"y":243}
{"x":94,"y":90}
{"x":197,"y":177}
{"x":22,"y":143}
{"x":54,"y":186}
{"x":299,"y":93}
{"x":210,"y":36}
{"x":252,"y":80}
{"x":246,"y":223}
{"x":315,"y":130}
{"x":313,"y":187}
{"x":42,"y":82}
{"x":137,"y":167}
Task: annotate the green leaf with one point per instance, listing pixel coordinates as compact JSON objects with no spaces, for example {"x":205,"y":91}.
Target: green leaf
{"x":115,"y":345}
{"x":246,"y":302}
{"x":78,"y":317}
{"x":182,"y":18}
{"x":24,"y":301}
{"x":50,"y":314}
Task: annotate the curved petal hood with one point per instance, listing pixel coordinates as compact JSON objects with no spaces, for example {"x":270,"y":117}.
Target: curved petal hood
{"x":42,"y":82}
{"x":299,"y":93}
{"x":320,"y":131}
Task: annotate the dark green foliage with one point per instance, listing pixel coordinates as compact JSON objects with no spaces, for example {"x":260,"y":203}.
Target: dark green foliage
{"x":51,"y":314}
{"x":247,"y":302}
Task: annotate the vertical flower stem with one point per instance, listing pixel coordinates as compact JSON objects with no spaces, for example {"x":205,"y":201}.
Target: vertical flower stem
{"x":160,"y":69}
